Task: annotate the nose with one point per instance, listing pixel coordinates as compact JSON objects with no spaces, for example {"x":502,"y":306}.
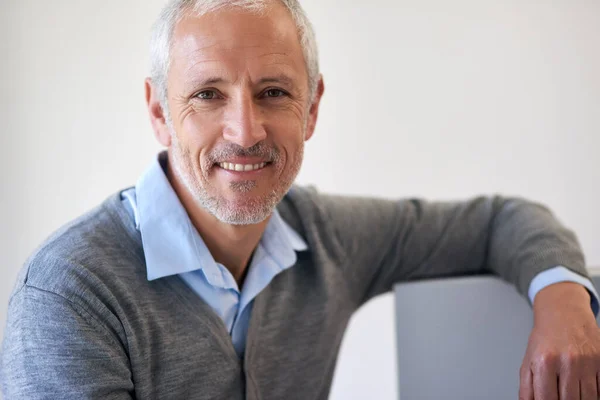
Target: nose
{"x":244,"y":122}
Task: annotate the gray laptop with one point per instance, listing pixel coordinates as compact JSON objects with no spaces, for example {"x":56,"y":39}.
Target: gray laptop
{"x":461,"y":338}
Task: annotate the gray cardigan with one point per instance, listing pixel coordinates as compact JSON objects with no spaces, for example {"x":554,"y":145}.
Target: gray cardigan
{"x":85,"y":323}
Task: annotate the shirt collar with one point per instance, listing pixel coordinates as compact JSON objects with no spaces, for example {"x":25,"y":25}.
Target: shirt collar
{"x":172,"y":244}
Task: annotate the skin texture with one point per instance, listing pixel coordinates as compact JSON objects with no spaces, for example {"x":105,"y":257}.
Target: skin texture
{"x":238,"y":92}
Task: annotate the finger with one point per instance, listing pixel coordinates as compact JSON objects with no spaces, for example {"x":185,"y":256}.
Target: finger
{"x":588,"y":388}
{"x":545,"y":384}
{"x":526,"y":384}
{"x":568,"y":386}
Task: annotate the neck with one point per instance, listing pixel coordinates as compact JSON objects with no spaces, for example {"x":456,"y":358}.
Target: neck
{"x":230,"y":245}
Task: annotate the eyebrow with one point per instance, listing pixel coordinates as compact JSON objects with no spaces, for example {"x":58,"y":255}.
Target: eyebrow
{"x":207,"y":81}
{"x":284,"y":79}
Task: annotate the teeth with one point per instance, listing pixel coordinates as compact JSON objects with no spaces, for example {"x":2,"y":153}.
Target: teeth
{"x":241,"y":167}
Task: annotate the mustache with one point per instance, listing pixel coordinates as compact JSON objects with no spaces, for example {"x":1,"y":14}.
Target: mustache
{"x":231,"y":150}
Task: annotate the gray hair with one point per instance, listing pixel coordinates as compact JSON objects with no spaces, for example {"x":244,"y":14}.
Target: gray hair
{"x":175,"y":10}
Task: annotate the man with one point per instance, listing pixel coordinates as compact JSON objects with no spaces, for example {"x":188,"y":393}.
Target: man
{"x":215,"y":278}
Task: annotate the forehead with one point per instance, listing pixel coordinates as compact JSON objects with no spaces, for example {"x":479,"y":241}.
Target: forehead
{"x":234,"y":41}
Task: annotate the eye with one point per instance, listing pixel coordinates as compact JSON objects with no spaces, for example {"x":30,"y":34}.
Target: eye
{"x":207,"y":95}
{"x":274,"y":93}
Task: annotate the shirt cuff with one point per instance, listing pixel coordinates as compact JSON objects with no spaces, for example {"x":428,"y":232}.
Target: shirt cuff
{"x":562,"y":274}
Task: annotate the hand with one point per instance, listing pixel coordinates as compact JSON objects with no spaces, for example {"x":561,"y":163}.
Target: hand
{"x":562,"y":361}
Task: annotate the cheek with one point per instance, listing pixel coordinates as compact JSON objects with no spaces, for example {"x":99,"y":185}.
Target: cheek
{"x":198,"y":129}
{"x":291,"y":132}
{"x":198,"y":133}
{"x":289,"y":138}
{"x":288,"y":125}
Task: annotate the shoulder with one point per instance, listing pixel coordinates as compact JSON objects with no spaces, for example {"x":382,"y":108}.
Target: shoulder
{"x":86,"y":254}
{"x":321,"y":209}
{"x":335,"y":222}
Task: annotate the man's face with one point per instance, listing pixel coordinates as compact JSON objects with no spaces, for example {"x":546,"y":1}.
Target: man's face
{"x":240,"y":110}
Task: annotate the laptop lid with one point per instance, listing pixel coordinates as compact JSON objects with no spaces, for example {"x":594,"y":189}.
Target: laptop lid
{"x":460,"y":338}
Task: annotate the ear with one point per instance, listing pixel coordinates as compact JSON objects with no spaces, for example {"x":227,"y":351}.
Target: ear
{"x":157,"y":115}
{"x":313,"y":113}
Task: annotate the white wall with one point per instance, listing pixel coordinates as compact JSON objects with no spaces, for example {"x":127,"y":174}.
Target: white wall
{"x":423,"y":98}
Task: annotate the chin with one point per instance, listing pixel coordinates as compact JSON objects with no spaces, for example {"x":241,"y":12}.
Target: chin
{"x":244,"y":188}
{"x":242,"y":214}
{"x":242,"y":207}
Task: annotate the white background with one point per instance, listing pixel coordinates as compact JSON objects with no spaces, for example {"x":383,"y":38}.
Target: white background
{"x":427,"y":98}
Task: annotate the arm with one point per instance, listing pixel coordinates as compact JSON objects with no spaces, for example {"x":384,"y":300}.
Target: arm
{"x":520,"y":241}
{"x":390,"y":241}
{"x":54,"y":349}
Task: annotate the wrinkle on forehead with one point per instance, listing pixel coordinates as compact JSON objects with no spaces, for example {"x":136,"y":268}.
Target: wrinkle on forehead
{"x":196,"y":49}
{"x":199,"y":56}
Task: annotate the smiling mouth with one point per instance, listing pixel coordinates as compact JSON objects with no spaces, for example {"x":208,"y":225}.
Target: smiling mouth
{"x":242,"y":167}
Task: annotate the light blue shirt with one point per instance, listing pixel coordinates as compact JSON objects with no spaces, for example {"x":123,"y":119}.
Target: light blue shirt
{"x":172,"y":246}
